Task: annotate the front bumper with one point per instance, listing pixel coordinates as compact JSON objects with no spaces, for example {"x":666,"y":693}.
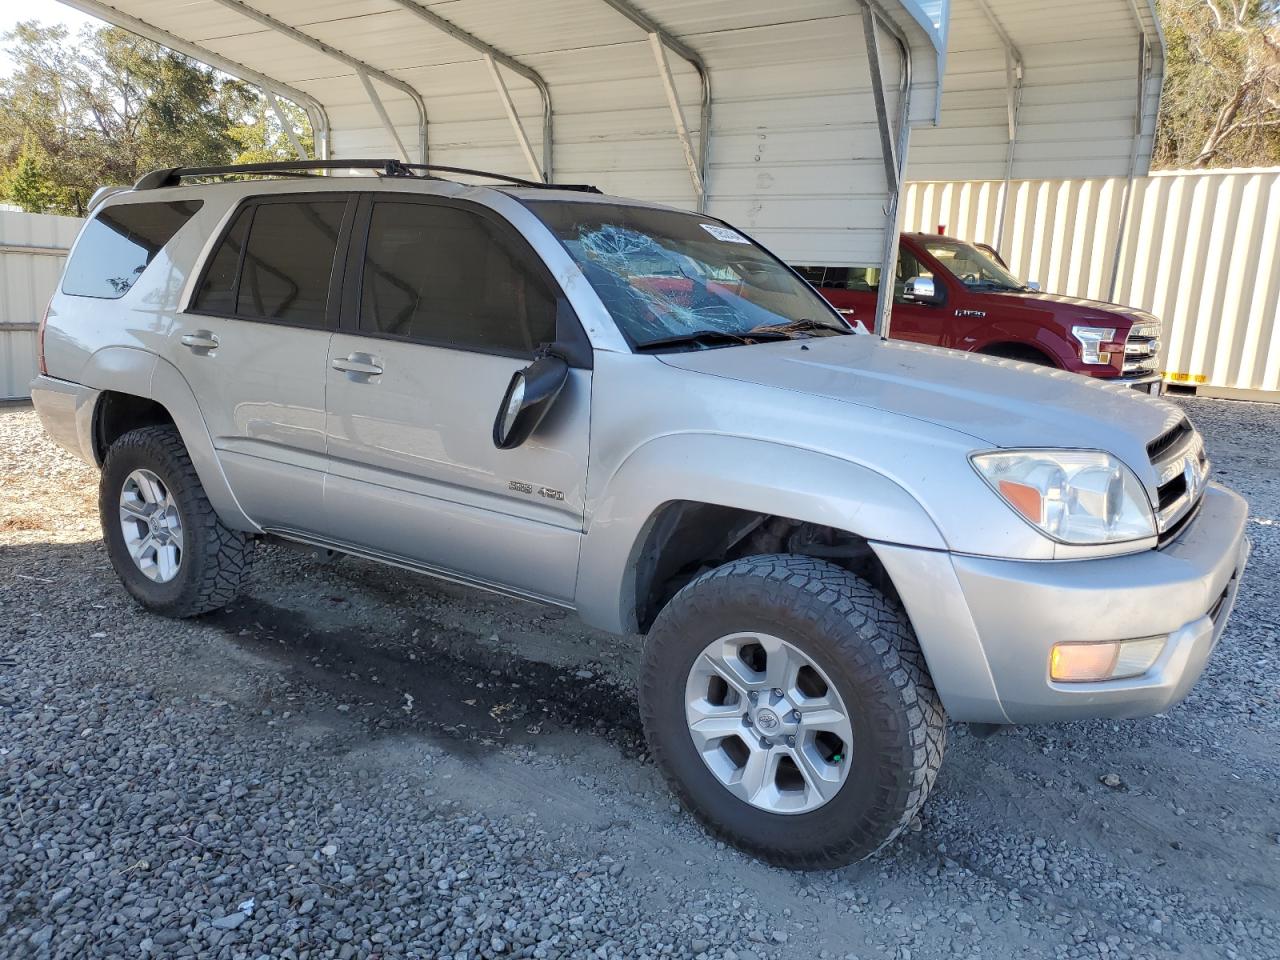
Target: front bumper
{"x":1152,"y":383}
{"x":987,"y":626}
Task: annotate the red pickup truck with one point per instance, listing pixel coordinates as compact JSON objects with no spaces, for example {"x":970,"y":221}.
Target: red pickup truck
{"x":950,"y":293}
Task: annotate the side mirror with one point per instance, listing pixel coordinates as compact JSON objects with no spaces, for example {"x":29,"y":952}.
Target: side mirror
{"x":529,"y":396}
{"x":1033,"y":285}
{"x":921,"y":290}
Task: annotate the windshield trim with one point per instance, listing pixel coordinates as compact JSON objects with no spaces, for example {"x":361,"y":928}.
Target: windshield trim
{"x":842,"y":326}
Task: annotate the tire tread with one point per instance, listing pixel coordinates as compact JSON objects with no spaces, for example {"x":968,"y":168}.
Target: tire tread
{"x":866,"y":626}
{"x":222,"y":556}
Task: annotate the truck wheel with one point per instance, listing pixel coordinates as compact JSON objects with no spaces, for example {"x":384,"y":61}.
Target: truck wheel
{"x":166,"y":543}
{"x":787,"y":703}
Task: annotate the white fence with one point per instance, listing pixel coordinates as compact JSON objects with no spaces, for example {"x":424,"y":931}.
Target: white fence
{"x":1200,"y":250}
{"x":33,"y":248}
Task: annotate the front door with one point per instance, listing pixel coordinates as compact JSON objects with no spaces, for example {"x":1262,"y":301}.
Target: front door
{"x":254,"y":345}
{"x":445,"y":303}
{"x":918,"y":322}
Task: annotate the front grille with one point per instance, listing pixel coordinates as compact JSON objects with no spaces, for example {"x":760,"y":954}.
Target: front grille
{"x":1216,"y":610}
{"x":1142,"y":349}
{"x":1157,"y":447}
{"x":1182,"y":469}
{"x":1171,"y":491}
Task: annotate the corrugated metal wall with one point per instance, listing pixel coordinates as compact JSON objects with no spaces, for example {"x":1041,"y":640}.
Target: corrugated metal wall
{"x":1200,"y":250}
{"x":32,"y":251}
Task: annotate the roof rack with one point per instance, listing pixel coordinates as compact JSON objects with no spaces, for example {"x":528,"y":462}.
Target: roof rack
{"x":173,"y":176}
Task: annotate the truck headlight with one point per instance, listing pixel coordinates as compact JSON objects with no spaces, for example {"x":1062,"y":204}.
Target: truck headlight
{"x":1092,"y":340}
{"x":1074,"y":496}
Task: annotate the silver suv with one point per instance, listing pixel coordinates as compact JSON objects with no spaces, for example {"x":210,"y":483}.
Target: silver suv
{"x":639,"y":414}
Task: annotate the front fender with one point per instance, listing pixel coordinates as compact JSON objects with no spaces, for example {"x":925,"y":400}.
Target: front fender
{"x":759,"y":476}
{"x":1027,"y":331}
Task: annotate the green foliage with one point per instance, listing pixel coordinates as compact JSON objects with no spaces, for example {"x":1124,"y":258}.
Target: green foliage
{"x":261,"y":139}
{"x":107,"y":106}
{"x":1221,"y":98}
{"x":27,"y":182}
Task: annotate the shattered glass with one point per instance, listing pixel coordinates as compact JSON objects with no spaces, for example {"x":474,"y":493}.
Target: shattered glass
{"x":663,"y":274}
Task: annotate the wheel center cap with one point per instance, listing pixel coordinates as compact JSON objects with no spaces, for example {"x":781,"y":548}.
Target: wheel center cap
{"x":156,"y":522}
{"x":775,"y":720}
{"x":767,"y":721}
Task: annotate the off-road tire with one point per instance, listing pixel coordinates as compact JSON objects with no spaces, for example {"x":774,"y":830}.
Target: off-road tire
{"x":864,"y":643}
{"x":215,"y":559}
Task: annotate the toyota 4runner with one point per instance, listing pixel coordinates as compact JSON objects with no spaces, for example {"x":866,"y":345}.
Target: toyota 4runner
{"x":637,"y":413}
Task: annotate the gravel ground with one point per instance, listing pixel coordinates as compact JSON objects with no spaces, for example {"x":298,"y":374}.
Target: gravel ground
{"x":357,"y":762}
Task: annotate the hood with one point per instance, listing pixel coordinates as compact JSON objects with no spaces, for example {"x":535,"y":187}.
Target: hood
{"x":1086,"y":308}
{"x":999,"y":403}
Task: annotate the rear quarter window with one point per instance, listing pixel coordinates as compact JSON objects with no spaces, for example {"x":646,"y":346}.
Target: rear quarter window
{"x":119,"y":243}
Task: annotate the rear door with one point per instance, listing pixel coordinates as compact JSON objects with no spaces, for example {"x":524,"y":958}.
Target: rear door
{"x":444,"y":302}
{"x":253,"y":344}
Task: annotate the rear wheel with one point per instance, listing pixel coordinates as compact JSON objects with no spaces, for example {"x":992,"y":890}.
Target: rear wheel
{"x":787,"y":703}
{"x":167,"y":545}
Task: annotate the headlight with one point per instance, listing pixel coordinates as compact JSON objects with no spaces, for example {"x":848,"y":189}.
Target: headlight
{"x":1092,"y":340}
{"x":1075,"y":496}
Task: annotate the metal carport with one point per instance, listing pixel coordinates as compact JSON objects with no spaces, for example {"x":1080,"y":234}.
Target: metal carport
{"x":790,"y":120}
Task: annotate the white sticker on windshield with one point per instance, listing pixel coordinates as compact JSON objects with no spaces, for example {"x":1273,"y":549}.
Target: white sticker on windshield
{"x":724,"y":233}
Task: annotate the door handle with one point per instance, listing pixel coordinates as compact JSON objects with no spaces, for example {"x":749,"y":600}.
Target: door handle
{"x":358,"y":365}
{"x":200,"y":340}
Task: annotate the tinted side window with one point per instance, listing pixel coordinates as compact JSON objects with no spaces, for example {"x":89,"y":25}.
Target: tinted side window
{"x":119,"y":243}
{"x":452,"y":277}
{"x":288,"y":262}
{"x":217,"y":293}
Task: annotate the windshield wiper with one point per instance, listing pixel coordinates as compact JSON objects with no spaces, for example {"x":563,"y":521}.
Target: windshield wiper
{"x":711,"y":338}
{"x":803,"y":325}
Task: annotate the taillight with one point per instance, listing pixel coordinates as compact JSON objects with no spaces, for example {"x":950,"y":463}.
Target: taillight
{"x":44,"y":322}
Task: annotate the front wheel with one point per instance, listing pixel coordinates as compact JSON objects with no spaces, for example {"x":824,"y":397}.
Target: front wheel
{"x":164,"y":539}
{"x":787,"y":703}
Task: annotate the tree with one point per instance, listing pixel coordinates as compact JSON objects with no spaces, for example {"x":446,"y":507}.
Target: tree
{"x":27,"y":183}
{"x":1221,"y":101}
{"x":262,"y":139}
{"x":108,"y":106}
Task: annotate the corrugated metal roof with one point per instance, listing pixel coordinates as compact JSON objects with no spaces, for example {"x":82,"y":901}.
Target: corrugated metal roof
{"x":794,"y":152}
{"x":1088,"y":87}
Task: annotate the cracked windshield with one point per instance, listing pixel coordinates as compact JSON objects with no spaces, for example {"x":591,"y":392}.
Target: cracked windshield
{"x":678,"y":281}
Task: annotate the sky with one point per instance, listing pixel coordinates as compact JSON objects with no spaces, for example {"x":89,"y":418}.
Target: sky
{"x":47,"y":12}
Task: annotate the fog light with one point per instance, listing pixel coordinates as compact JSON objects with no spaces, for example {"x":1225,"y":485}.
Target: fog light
{"x":1117,"y":660}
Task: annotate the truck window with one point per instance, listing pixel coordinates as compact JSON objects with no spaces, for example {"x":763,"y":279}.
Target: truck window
{"x":217,"y":292}
{"x":119,"y":243}
{"x":863,"y":279}
{"x":971,"y":266}
{"x":908,"y":269}
{"x":288,"y":261}
{"x":450,"y":277}
{"x":275,"y":263}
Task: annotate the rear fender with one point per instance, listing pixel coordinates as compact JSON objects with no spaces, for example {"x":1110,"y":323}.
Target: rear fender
{"x":144,"y":374}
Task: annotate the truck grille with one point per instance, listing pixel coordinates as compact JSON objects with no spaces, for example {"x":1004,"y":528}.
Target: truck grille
{"x":1182,"y":470}
{"x":1142,"y":350}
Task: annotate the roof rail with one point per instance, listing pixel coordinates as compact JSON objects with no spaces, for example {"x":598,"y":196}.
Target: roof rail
{"x":173,"y":176}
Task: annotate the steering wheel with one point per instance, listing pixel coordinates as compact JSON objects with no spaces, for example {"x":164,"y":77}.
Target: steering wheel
{"x":969,"y":279}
